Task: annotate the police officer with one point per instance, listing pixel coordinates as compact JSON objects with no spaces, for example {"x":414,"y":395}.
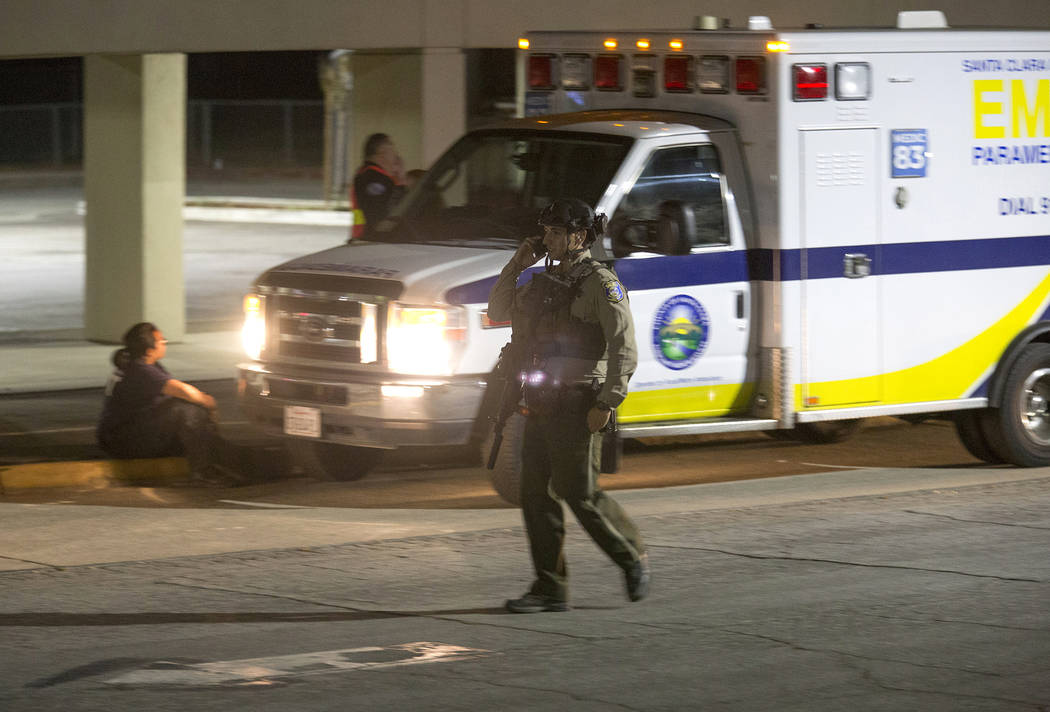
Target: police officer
{"x":579,"y":340}
{"x":377,"y":185}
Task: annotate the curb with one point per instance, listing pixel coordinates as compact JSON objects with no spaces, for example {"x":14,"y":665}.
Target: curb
{"x":95,"y":473}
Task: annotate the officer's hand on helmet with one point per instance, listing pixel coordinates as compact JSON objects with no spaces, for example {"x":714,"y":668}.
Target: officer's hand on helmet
{"x":597,"y":418}
{"x":529,"y":251}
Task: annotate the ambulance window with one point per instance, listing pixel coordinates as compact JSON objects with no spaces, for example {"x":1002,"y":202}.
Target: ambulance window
{"x":685,"y":178}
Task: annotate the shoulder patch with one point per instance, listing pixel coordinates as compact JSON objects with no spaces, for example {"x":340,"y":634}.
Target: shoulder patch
{"x":613,"y":291}
{"x":375,"y":188}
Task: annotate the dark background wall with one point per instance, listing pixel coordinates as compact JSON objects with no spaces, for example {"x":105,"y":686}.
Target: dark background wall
{"x":243,"y":101}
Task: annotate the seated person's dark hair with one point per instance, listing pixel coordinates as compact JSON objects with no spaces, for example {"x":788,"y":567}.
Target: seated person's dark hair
{"x":121,"y":359}
{"x":139,"y":339}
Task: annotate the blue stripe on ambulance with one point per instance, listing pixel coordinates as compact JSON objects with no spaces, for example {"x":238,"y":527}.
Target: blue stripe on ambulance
{"x":821,"y":263}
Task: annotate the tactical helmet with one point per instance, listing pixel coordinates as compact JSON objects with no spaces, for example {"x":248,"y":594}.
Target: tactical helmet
{"x":572,"y":214}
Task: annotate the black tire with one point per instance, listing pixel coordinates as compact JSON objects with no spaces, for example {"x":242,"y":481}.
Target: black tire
{"x":1021,"y":428}
{"x":824,"y":432}
{"x":971,"y":427}
{"x":331,"y":461}
{"x":506,"y":475}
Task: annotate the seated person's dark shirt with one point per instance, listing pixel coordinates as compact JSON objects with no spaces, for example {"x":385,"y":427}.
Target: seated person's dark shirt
{"x":131,"y":395}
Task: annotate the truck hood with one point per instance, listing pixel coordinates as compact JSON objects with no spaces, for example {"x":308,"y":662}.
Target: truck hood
{"x":410,"y":272}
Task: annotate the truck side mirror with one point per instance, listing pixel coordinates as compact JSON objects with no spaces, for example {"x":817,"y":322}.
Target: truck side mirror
{"x":675,"y":228}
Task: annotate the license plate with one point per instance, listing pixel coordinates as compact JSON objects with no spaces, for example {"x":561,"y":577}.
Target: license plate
{"x":303,"y":421}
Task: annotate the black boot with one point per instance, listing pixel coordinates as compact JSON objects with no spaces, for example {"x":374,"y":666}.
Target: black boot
{"x":637,"y":578}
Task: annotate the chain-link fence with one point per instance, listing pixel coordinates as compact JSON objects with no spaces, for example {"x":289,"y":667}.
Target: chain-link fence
{"x":228,"y":133}
{"x":253,"y":133}
{"x":45,"y":134}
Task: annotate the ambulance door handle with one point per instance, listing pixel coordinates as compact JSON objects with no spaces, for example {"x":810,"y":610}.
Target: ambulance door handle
{"x":856,"y":265}
{"x":739,"y":305}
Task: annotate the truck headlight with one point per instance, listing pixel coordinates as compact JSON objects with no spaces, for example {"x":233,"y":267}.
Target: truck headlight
{"x":425,"y":340}
{"x":253,"y":333}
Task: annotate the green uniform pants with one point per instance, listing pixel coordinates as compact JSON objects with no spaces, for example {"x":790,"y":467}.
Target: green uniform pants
{"x":561,"y":460}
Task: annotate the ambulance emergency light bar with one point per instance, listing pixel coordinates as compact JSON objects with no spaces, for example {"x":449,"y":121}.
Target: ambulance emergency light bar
{"x":684,"y":73}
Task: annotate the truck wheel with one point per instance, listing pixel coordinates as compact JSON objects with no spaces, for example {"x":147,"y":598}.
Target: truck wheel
{"x":971,"y":427}
{"x":829,"y":431}
{"x":1023,"y":433}
{"x":506,"y":476}
{"x":331,"y":461}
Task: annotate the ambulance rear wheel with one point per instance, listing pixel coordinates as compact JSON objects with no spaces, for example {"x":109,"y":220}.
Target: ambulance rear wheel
{"x":1023,"y":433}
{"x":506,"y":476}
{"x":331,"y":461}
{"x":971,"y":427}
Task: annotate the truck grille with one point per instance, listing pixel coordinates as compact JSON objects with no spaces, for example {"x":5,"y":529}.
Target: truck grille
{"x":324,"y":328}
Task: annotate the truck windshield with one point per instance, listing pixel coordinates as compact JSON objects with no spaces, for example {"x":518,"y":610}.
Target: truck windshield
{"x":488,"y":189}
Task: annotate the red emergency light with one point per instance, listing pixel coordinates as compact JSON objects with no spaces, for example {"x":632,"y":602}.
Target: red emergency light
{"x":811,"y":81}
{"x":607,"y":72}
{"x":677,"y":70}
{"x":750,"y":75}
{"x":541,"y":71}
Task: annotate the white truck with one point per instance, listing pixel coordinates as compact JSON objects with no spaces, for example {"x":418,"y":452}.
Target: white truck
{"x":815,"y":226}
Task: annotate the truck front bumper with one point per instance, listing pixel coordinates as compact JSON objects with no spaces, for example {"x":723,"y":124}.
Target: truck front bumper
{"x":387,"y":412}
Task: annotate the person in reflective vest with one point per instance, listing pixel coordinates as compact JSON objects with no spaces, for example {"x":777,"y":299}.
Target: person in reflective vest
{"x":377,"y":185}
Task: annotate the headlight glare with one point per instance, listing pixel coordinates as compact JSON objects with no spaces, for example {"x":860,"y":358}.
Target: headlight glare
{"x":253,"y":333}
{"x":425,"y":340}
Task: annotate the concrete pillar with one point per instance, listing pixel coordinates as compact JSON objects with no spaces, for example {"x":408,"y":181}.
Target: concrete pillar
{"x":418,"y":98}
{"x":444,"y":100}
{"x":134,"y":188}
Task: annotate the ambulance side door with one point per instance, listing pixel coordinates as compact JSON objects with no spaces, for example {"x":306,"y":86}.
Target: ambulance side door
{"x":841,"y":337}
{"x":682,"y":258}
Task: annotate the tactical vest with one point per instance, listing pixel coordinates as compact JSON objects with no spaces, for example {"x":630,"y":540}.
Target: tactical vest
{"x":555,"y":332}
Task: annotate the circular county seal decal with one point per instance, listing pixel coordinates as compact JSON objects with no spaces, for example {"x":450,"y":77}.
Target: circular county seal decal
{"x":680,"y":331}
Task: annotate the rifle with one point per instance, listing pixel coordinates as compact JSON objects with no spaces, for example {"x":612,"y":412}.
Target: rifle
{"x":506,"y":375}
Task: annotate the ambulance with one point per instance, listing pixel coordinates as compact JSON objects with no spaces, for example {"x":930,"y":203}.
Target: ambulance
{"x":814,"y":226}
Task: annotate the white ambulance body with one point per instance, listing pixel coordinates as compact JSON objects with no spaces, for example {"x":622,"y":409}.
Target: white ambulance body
{"x":814,"y":226}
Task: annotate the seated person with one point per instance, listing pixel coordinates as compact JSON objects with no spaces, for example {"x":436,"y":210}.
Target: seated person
{"x":147,"y":413}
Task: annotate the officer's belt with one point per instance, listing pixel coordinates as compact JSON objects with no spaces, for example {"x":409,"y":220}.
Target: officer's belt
{"x":563,"y":398}
{"x":572,"y":349}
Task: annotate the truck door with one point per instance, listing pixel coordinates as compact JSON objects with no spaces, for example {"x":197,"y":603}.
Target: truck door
{"x":841,"y":333}
{"x":690,"y":301}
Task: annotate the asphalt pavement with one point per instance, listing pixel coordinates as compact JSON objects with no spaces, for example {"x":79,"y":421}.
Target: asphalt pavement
{"x":864,"y":591}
